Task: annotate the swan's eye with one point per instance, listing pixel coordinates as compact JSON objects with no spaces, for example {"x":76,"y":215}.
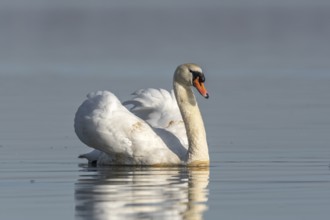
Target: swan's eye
{"x":199,"y":75}
{"x":202,"y":78}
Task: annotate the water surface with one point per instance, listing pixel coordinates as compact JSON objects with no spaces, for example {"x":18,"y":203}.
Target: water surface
{"x":268,"y":137}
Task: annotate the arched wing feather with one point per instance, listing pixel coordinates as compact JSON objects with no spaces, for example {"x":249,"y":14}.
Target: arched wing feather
{"x":159,"y":108}
{"x":103,"y":123}
{"x":156,"y":106}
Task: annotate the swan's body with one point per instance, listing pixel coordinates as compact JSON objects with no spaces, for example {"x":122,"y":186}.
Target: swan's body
{"x":161,"y":129}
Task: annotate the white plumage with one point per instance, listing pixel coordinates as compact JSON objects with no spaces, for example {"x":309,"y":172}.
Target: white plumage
{"x":152,"y":132}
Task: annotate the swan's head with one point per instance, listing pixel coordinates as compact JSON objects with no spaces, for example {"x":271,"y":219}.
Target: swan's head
{"x":191,"y":75}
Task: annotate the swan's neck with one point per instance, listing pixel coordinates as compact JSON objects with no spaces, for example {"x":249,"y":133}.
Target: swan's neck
{"x":198,"y":151}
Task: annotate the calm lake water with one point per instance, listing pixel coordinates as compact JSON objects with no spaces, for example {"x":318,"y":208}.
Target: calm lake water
{"x":269,"y":140}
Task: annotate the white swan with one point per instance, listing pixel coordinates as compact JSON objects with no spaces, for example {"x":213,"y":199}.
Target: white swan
{"x":161,"y":129}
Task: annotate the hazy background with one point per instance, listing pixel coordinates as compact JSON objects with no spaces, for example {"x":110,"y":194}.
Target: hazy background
{"x":267,"y":119}
{"x":106,"y":37}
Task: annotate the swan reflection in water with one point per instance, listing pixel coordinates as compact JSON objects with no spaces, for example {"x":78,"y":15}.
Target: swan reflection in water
{"x":142,"y":193}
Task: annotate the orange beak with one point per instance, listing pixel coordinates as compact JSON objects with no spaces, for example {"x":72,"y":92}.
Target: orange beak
{"x":200,"y":87}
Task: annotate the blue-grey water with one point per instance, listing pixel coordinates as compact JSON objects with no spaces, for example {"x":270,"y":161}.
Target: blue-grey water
{"x":267,"y":119}
{"x":268,"y":137}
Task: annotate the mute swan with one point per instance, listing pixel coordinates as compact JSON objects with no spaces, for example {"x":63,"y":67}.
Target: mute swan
{"x":161,"y":129}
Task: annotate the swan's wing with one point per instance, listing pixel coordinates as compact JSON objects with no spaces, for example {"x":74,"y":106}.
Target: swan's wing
{"x":159,"y":108}
{"x":156,"y":106}
{"x":103,"y":123}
